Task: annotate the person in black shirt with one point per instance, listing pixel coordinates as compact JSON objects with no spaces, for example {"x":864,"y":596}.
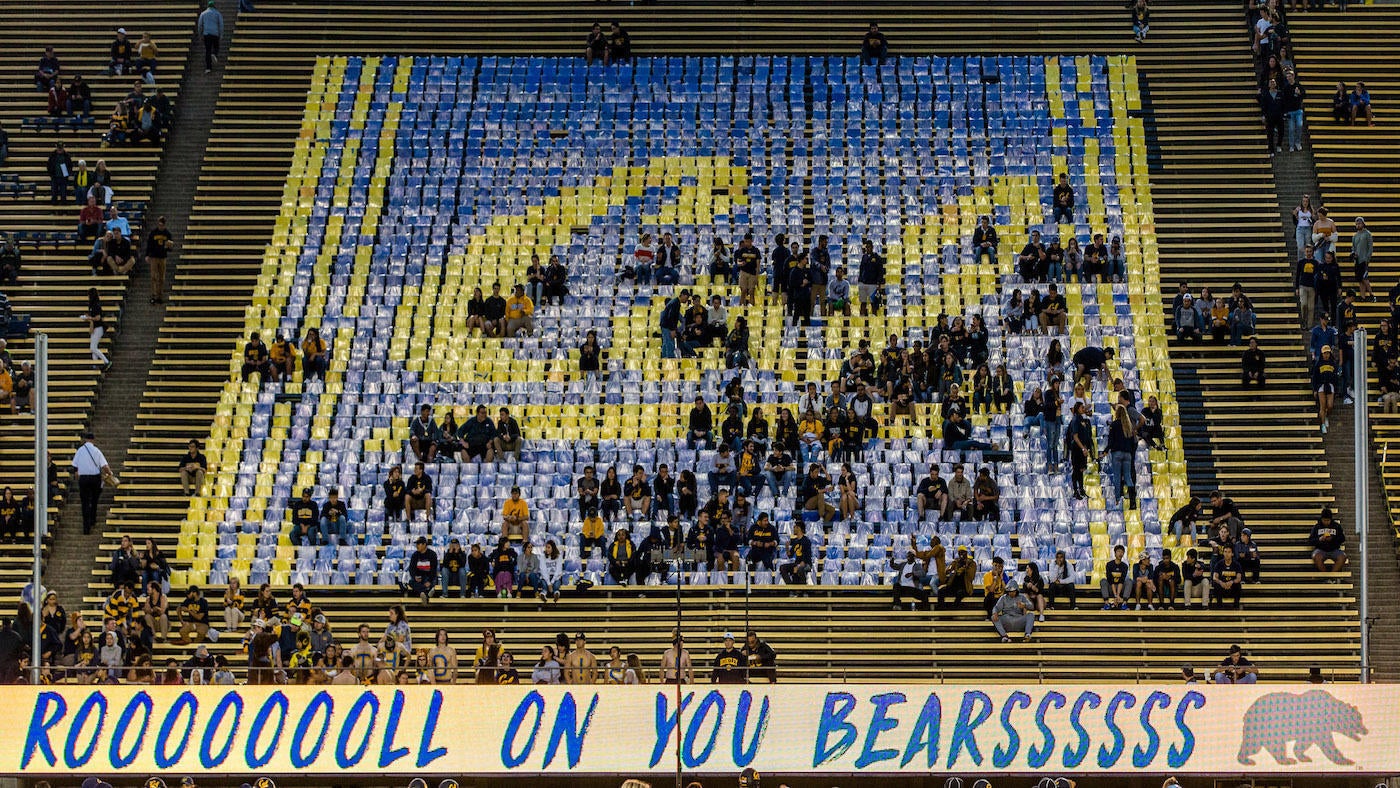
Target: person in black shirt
{"x":394,"y":490}
{"x":874,"y":47}
{"x":1089,"y":360}
{"x":729,"y":665}
{"x":586,"y":488}
{"x":1113,"y":586}
{"x":306,"y":519}
{"x":1328,"y":541}
{"x":932,"y":493}
{"x":984,"y":241}
{"x":663,"y":491}
{"x":1185,"y":518}
{"x":335,"y":520}
{"x":254,"y":358}
{"x":1031,"y":261}
{"x":611,"y":490}
{"x":636,"y":493}
{"x":494,"y":318}
{"x":596,"y":47}
{"x":763,"y":543}
{"x":478,"y":571}
{"x":193,"y":466}
{"x":1151,"y":430}
{"x":590,"y":355}
{"x":423,"y":575}
{"x":1252,"y":364}
{"x":1062,"y":211}
{"x":1226,"y":579}
{"x":701,"y":426}
{"x":1080,"y":442}
{"x":420,"y":490}
{"x":796,"y":571}
{"x":423,"y":434}
{"x":763,"y":661}
{"x":870,"y":280}
{"x":619,"y":44}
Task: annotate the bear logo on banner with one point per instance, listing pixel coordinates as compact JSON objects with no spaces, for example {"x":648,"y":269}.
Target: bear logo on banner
{"x":1308,"y":720}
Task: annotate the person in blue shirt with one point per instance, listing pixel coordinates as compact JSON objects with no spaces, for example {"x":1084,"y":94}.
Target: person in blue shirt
{"x":671,"y":322}
{"x":1361,"y":104}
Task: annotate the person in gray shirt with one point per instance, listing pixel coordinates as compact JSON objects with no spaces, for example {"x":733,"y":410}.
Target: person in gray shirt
{"x":1013,"y":611}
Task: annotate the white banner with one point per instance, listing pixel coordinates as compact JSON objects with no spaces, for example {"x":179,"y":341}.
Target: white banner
{"x":916,"y":729}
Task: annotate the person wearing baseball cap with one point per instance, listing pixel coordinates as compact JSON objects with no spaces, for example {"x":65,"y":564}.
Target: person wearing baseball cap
{"x":581,"y":667}
{"x":1013,"y":611}
{"x":728,"y":665}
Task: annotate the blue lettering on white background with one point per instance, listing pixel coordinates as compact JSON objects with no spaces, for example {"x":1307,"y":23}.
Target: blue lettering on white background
{"x":666,"y":723}
{"x":343,"y":758}
{"x":837,"y":708}
{"x":324,"y":703}
{"x":1143,"y":756}
{"x":426,"y":752}
{"x":531,"y":702}
{"x":924,"y":735}
{"x":880,"y":722}
{"x":1108,"y":756}
{"x":1176,"y":758}
{"x":142,"y":701}
{"x":713,"y":700}
{"x":207,"y":758}
{"x":1003,"y":756}
{"x":186,"y":703}
{"x":277,"y":701}
{"x":743,"y":756}
{"x":569,"y":731}
{"x":96,"y":701}
{"x":388,"y":753}
{"x":49,"y":708}
{"x":1036,"y":757}
{"x":965,"y":733}
{"x":1074,"y":757}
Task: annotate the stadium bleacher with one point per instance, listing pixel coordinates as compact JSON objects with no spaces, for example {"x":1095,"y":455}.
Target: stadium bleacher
{"x":55,"y":278}
{"x":260,"y":136}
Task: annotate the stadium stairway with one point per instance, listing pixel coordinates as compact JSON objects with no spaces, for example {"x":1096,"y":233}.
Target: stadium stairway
{"x":55,"y":277}
{"x":1214,"y":190}
{"x":1356,"y":169}
{"x":114,"y":416}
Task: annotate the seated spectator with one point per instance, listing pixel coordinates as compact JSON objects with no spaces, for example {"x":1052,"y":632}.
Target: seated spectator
{"x":1011,"y":612}
{"x":281,"y":355}
{"x":97,"y":190}
{"x":313,"y":355}
{"x":762,"y":540}
{"x":1113,"y":586}
{"x":118,"y":223}
{"x":4,"y":145}
{"x":1236,"y":668}
{"x":1361,"y":104}
{"x":1341,"y":103}
{"x":621,"y":557}
{"x":1226,"y":578}
{"x":424,"y":434}
{"x":1053,"y":311}
{"x":255,"y":358}
{"x":1189,"y":320}
{"x":479,"y":437}
{"x":1252,"y":365}
{"x":551,"y":573}
{"x":958,"y":579}
{"x":1328,"y":540}
{"x":395,"y":492}
{"x":619,"y":44}
{"x":454,"y":568}
{"x":1144,"y":582}
{"x":984,"y":242}
{"x":147,"y":58}
{"x":1388,"y":377}
{"x":122,"y":54}
{"x":815,"y":486}
{"x":193,"y":466}
{"x":419,"y":490}
{"x":503,"y":561}
{"x":873,"y":47}
{"x":306,"y":519}
{"x":986,"y":496}
{"x":194,"y":616}
{"x":520,"y":311}
{"x":1241,"y":317}
{"x":507,"y":441}
{"x":10,"y":260}
{"x":993,"y":585}
{"x":1247,"y":552}
{"x":799,"y":566}
{"x":47,"y":73}
{"x":118,"y":125}
{"x":515,"y":517}
{"x":596,"y":45}
{"x":79,"y":95}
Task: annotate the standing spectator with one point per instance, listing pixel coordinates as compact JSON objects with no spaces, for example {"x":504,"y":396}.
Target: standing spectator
{"x":1325,"y":382}
{"x":58,"y":166}
{"x":1305,"y":280}
{"x":159,"y":242}
{"x":10,"y":261}
{"x":1271,"y":104}
{"x":1013,"y":611}
{"x":874,"y":48}
{"x":581,"y":667}
{"x":762,"y":660}
{"x":728,"y":664}
{"x":1328,"y":541}
{"x":747,"y":259}
{"x":871,"y":278}
{"x":1236,"y":668}
{"x":1362,"y":248}
{"x":1293,"y":98}
{"x":91,"y":469}
{"x":675,"y":662}
{"x":210,"y":28}
{"x":1302,"y":228}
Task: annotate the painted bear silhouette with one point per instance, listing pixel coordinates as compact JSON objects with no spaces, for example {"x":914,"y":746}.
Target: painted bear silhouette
{"x":1308,"y":720}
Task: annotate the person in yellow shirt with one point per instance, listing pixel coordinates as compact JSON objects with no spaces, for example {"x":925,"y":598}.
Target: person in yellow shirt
{"x":594,"y":533}
{"x":993,"y":584}
{"x":282,"y":354}
{"x":809,"y":438}
{"x":515,"y":517}
{"x":520,"y":311}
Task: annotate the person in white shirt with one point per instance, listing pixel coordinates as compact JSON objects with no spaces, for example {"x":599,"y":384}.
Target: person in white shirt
{"x":89,"y":465}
